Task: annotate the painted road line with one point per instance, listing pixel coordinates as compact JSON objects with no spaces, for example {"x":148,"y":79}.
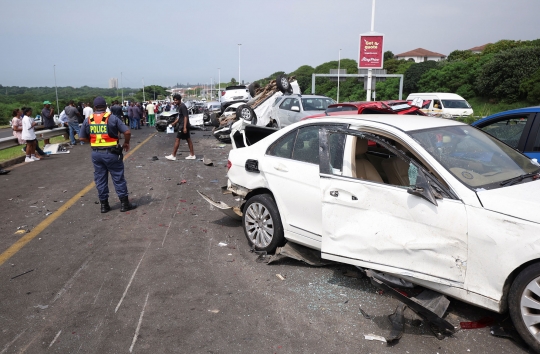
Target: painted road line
{"x":7,"y":254}
{"x":138,"y":325}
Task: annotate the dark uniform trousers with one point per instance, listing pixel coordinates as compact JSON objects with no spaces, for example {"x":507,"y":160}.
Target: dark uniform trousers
{"x":106,"y":162}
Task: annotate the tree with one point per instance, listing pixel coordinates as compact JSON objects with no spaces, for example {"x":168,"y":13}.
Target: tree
{"x":414,"y":73}
{"x":233,"y":82}
{"x":460,"y":55}
{"x":388,"y":55}
{"x":530,"y":88}
{"x":502,"y":76}
{"x":303,"y":76}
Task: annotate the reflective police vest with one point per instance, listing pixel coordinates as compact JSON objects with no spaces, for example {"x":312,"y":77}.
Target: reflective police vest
{"x":99,"y":131}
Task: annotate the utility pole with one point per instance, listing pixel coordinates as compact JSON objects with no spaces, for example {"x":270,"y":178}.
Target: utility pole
{"x":121,"y":84}
{"x":239,"y":78}
{"x":370,"y":71}
{"x":56,"y":89}
{"x":143,"y":98}
{"x":338,"y":68}
{"x":219,"y":84}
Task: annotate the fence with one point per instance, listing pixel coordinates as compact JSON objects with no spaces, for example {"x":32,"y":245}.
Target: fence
{"x":8,"y":142}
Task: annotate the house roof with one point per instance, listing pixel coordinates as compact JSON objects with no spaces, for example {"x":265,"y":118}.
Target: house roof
{"x":479,"y":48}
{"x":420,"y":52}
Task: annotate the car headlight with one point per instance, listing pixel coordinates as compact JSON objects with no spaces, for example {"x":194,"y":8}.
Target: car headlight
{"x":446,"y":115}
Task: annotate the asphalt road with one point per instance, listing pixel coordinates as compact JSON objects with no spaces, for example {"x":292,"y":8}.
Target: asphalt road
{"x":6,"y":132}
{"x":156,"y":280}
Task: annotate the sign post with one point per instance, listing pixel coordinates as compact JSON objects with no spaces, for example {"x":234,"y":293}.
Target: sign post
{"x":371,"y":55}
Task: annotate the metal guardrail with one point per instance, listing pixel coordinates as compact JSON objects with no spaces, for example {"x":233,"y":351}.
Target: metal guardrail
{"x":12,"y":141}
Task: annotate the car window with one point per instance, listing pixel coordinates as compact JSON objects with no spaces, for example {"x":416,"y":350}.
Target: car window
{"x":306,"y":147}
{"x":507,"y":130}
{"x":341,"y":109}
{"x":287,"y":103}
{"x":437,"y":104}
{"x":295,"y":103}
{"x":283,"y":147}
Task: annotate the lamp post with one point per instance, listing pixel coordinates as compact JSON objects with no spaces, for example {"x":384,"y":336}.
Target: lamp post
{"x":121,"y":85}
{"x":239,"y":78}
{"x":56,"y":89}
{"x":338,"y":68}
{"x":143,"y":98}
{"x":370,"y":72}
{"x":219,"y":84}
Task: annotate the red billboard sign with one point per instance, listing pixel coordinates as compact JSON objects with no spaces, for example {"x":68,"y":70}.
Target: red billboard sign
{"x":371,"y":51}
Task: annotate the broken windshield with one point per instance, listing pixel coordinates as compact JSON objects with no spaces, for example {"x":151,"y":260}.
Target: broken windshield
{"x":475,"y":158}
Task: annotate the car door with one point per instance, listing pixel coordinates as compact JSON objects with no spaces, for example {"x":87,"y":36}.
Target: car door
{"x":295,"y":112}
{"x":383,"y":226}
{"x":282,"y":112}
{"x":291,"y":168}
{"x":512,"y":129}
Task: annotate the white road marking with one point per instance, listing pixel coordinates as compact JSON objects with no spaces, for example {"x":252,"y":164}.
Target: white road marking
{"x":166,"y":232}
{"x":139,"y":325}
{"x":130,"y":280}
{"x":55,"y":338}
{"x":70,"y":282}
{"x":10,"y":343}
{"x":98,"y":292}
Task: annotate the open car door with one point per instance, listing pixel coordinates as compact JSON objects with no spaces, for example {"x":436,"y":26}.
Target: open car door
{"x":415,"y":228}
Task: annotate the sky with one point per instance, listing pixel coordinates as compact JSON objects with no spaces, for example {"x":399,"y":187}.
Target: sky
{"x":165,"y":42}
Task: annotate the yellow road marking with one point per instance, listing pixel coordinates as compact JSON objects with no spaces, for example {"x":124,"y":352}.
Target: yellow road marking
{"x":20,"y":243}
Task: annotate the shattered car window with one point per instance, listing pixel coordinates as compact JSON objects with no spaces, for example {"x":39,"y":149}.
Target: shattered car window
{"x":316,"y":104}
{"x":306,"y":147}
{"x":474,"y":157}
{"x":336,"y":148}
{"x":283,"y":147}
{"x":508,"y":130}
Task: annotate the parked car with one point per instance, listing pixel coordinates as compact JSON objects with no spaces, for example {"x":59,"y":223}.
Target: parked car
{"x":444,"y":105}
{"x":519,"y":128}
{"x":372,"y":107}
{"x":292,"y":108}
{"x":235,"y":93}
{"x":433,"y":201}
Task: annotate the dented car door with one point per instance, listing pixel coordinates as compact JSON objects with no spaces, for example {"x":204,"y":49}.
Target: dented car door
{"x":370,"y":222}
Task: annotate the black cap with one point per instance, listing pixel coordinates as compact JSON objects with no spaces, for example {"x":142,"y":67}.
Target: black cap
{"x":99,"y":101}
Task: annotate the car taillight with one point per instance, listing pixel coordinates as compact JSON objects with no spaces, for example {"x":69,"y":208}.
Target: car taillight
{"x":229,"y":165}
{"x":222,"y":93}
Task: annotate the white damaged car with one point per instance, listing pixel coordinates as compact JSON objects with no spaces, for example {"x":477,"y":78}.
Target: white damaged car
{"x":435,"y":202}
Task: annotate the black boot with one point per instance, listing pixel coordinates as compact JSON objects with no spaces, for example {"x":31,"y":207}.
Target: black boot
{"x":105,"y":207}
{"x":125,"y":205}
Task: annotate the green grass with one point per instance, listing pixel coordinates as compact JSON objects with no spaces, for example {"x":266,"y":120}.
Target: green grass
{"x":13,"y":152}
{"x":483,"y":108}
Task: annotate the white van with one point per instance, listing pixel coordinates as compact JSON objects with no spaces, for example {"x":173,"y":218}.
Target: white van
{"x":445,"y":105}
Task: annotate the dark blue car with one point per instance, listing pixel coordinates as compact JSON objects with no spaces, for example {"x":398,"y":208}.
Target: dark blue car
{"x":519,"y":128}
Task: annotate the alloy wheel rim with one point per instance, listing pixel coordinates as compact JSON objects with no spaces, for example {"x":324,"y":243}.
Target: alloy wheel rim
{"x":245,"y":114}
{"x":284,"y":82}
{"x":530,"y":307}
{"x":259,"y":225}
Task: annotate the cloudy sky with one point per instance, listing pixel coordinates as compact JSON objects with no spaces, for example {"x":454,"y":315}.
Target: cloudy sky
{"x":170,"y":41}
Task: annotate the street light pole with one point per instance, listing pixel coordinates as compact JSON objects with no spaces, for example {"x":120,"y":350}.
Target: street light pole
{"x":122,"y":85}
{"x":370,"y":72}
{"x":219,"y":84}
{"x":338,"y":68}
{"x":239,"y":78}
{"x":56,"y":89}
{"x":143,"y":98}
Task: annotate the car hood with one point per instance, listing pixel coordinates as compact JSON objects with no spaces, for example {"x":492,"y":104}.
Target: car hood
{"x":520,"y":200}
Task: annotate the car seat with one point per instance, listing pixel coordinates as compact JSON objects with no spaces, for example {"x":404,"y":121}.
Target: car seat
{"x":364,"y":168}
{"x":397,"y":170}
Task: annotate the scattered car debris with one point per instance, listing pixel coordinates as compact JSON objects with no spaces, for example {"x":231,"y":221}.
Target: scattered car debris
{"x":31,"y":270}
{"x":222,"y":244}
{"x":364,"y":313}
{"x":233,"y":212}
{"x":4,"y":172}
{"x":300,"y":253}
{"x":20,"y":232}
{"x":281,"y":277}
{"x":398,"y":324}
{"x":155,"y":158}
{"x":482,"y":323}
{"x":374,"y":337}
{"x":207,"y":162}
{"x":42,"y":307}
{"x":213,"y":311}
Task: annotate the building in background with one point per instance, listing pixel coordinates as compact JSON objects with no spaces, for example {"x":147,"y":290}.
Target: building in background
{"x":113,"y":82}
{"x":420,"y":54}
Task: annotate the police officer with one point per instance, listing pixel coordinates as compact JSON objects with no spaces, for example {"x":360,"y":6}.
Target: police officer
{"x":101,"y":130}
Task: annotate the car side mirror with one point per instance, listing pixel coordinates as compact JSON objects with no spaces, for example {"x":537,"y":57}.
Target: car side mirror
{"x":419,"y":185}
{"x":295,"y":109}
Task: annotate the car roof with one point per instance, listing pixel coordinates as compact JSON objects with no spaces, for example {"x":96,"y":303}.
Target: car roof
{"x":535,"y":109}
{"x":401,"y":122}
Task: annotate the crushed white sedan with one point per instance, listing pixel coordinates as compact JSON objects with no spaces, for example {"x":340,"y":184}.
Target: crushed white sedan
{"x":434,"y":202}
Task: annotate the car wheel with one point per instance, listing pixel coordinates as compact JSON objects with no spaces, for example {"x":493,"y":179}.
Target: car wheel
{"x":282,"y":83}
{"x":524,"y":305}
{"x":253,"y":88}
{"x":214,"y":120}
{"x":245,"y":112}
{"x":262,"y":223}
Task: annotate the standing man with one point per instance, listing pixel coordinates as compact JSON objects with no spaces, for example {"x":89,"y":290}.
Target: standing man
{"x":150,"y":108}
{"x":125,"y":113}
{"x":47,"y":114}
{"x":183,"y":129}
{"x":101,"y":129}
{"x":87,"y":110}
{"x":116,"y":109}
{"x":137,"y":115}
{"x":130,"y":116}
{"x":73,"y":122}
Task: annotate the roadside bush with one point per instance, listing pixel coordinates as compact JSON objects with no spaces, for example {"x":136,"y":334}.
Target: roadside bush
{"x":530,"y":88}
{"x":414,"y":73}
{"x":502,"y":76}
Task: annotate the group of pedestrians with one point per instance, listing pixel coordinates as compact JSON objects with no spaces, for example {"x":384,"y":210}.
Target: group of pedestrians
{"x":23,"y":129}
{"x":139,"y":114}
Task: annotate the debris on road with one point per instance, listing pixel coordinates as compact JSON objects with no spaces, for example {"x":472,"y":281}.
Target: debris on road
{"x":374,"y":337}
{"x":182,"y":182}
{"x":300,"y":253}
{"x":281,"y":277}
{"x":207,"y":162}
{"x":364,"y":313}
{"x":42,"y":307}
{"x":213,"y":311}
{"x":222,"y":244}
{"x":31,"y":270}
{"x":155,"y":158}
{"x":233,"y":212}
{"x":398,"y":324}
{"x":482,"y":323}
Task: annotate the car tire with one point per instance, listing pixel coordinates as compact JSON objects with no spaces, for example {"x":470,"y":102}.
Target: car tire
{"x":262,"y":223}
{"x":214,"y":120}
{"x":524,"y":302}
{"x":282,"y":83}
{"x":253,"y":89}
{"x":245,"y":112}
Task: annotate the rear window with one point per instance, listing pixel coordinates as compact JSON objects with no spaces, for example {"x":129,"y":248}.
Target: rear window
{"x":341,"y":109}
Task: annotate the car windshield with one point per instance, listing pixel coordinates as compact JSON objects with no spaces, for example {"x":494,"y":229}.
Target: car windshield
{"x":455,"y":104}
{"x":475,"y":158}
{"x":316,"y":103}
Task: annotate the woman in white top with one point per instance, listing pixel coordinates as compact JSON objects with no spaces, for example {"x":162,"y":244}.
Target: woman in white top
{"x":16,"y":125}
{"x":29,"y":135}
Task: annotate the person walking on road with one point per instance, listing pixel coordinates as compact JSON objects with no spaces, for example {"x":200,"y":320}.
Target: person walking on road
{"x":150,"y":108}
{"x":183,"y":129}
{"x":47,"y":114}
{"x":101,"y":130}
{"x":130,"y":116}
{"x":137,"y":115}
{"x":29,"y":135}
{"x":87,"y":110}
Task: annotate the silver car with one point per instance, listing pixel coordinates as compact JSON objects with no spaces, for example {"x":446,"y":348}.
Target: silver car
{"x":290,"y":109}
